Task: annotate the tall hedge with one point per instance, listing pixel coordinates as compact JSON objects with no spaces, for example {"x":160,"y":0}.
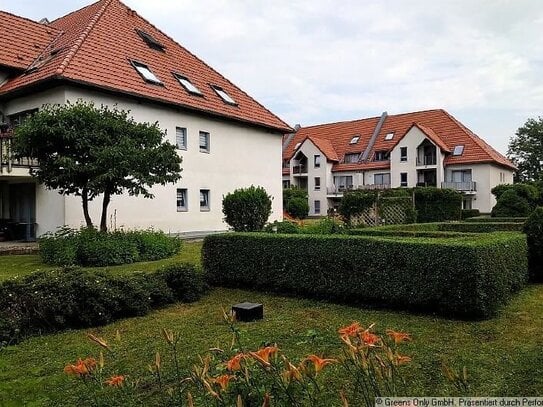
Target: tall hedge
{"x":534,"y":232}
{"x":453,"y":277}
{"x":437,"y":204}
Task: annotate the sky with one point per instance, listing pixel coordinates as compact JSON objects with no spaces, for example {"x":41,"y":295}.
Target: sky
{"x":320,"y":61}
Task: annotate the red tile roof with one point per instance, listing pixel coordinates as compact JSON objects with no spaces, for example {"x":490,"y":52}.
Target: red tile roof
{"x":94,"y":46}
{"x":440,"y":127}
{"x":326,"y":147}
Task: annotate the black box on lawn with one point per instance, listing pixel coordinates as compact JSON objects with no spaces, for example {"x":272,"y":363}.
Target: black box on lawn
{"x":248,"y":311}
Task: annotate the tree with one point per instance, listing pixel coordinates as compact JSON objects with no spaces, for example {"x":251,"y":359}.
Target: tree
{"x":247,"y":209}
{"x":298,"y":207}
{"x":526,"y":150}
{"x":87,"y":151}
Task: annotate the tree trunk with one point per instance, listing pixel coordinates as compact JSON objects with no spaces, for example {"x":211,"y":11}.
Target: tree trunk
{"x":105,"y":203}
{"x":85,"y":199}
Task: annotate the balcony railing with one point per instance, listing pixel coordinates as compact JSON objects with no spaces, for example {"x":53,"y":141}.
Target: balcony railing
{"x":467,"y":186}
{"x":342,"y":188}
{"x":7,"y":161}
{"x":427,"y":160}
{"x":299,"y":169}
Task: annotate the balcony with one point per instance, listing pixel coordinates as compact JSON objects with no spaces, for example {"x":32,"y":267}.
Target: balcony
{"x":426,"y":160}
{"x":299,"y":169}
{"x":7,"y":161}
{"x":338,"y":191}
{"x":466,"y":186}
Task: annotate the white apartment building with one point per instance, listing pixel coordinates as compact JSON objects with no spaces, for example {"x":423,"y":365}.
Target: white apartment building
{"x":427,"y":148}
{"x":108,"y":54}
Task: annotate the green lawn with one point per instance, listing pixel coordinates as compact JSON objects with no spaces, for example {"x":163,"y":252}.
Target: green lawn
{"x":503,"y":355}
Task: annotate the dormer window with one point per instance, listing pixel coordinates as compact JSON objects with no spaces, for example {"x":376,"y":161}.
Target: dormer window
{"x":223,"y":95}
{"x":351,"y":158}
{"x":389,"y":136}
{"x":150,"y":40}
{"x":458,"y":150}
{"x":354,"y":140}
{"x":187,"y":84}
{"x":146,"y":73}
{"x":381,"y":156}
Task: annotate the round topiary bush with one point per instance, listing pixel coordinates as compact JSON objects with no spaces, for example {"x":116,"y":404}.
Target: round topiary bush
{"x":247,"y":209}
{"x":534,"y":233}
{"x":298,"y":207}
{"x":511,"y":203}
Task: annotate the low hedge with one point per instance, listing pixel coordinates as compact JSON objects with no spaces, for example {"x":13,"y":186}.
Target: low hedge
{"x":90,"y":247}
{"x":483,"y":227}
{"x":54,"y":300}
{"x":481,"y":219}
{"x":406,"y":233}
{"x":454,"y":277}
{"x":470,"y":213}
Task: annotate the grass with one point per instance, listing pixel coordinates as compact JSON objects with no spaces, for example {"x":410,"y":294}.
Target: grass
{"x":503,"y":355}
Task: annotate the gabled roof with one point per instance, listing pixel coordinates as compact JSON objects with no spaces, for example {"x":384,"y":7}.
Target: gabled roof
{"x":95,"y":45}
{"x":440,"y":127}
{"x":325,"y":146}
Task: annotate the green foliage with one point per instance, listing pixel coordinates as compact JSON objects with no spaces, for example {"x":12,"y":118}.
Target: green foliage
{"x":282,"y":227}
{"x":298,"y":207}
{"x":54,"y":300}
{"x":86,"y":151}
{"x":457,"y":277}
{"x":89,"y":247}
{"x":511,"y":204}
{"x":247,"y":209}
{"x":381,"y":231}
{"x":483,"y":227}
{"x":437,"y":205}
{"x":470,"y":213}
{"x":530,"y":192}
{"x":526,"y":150}
{"x":534,"y":233}
{"x":481,"y":219}
{"x":355,"y":203}
{"x":324,"y":226}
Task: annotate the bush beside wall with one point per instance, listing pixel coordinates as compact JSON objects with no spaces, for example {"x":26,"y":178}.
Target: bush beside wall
{"x":462,"y":278}
{"x":50,"y":301}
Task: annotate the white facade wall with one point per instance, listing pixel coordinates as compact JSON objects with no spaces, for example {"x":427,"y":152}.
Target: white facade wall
{"x":239,"y":156}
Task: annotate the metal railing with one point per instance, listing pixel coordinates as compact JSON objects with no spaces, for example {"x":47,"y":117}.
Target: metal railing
{"x":427,"y":160}
{"x":342,"y":188}
{"x":299,"y":169}
{"x":7,"y":160}
{"x":460,"y":186}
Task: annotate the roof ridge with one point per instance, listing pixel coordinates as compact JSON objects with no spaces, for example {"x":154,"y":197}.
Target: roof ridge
{"x":75,"y":11}
{"x":207,"y":65}
{"x":79,"y":41}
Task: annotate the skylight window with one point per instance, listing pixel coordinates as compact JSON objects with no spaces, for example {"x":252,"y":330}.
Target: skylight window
{"x":150,"y":40}
{"x":389,"y":136}
{"x":146,"y":73}
{"x":187,"y":84}
{"x":224,"y":96}
{"x":458,"y":150}
{"x":354,"y":140}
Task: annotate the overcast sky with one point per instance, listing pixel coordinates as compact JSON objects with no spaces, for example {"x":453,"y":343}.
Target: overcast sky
{"x":319,"y":61}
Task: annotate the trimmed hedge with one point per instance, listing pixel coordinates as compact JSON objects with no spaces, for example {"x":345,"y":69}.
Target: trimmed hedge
{"x":504,"y":219}
{"x":483,"y":227}
{"x":54,"y":300}
{"x":406,"y":233}
{"x":437,"y":204}
{"x":470,"y":213}
{"x":90,"y":247}
{"x":454,"y":277}
{"x":534,"y":232}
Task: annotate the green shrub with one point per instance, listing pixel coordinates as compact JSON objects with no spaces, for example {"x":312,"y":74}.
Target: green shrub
{"x":481,"y":219}
{"x":405,"y":233}
{"x":90,"y":247}
{"x":293,"y":192}
{"x":457,"y":277}
{"x":529,"y":192}
{"x":534,"y":233}
{"x":437,"y":205}
{"x":282,"y":227}
{"x":324,"y":226}
{"x":470,"y":213}
{"x":247,"y":209}
{"x":186,"y":282}
{"x":355,"y":203}
{"x":54,"y":300}
{"x":298,"y":208}
{"x":483,"y":227}
{"x":510,"y":204}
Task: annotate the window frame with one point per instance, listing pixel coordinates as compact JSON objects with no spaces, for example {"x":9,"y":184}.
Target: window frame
{"x":184,"y":145}
{"x":224,"y":95}
{"x":185,"y":194}
{"x":382,"y":175}
{"x":208,"y":141}
{"x":405,"y":183}
{"x":151,"y":41}
{"x":351,"y":155}
{"x":458,"y":150}
{"x":137,"y":64}
{"x":206,"y":193}
{"x":316,"y":161}
{"x":389,"y":136}
{"x":317,"y":185}
{"x":354,"y":140}
{"x":180,"y":78}
{"x":317,"y":204}
{"x":403,"y":158}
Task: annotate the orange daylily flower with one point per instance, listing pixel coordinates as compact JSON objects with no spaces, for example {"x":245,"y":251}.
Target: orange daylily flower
{"x":223,"y":380}
{"x":402,"y":360}
{"x":292,"y":372}
{"x":263,"y":355}
{"x":351,"y":330}
{"x":398,"y":337}
{"x":81,"y":368}
{"x":320,"y":363}
{"x":369,"y":339}
{"x":234,"y":363}
{"x":115,"y":381}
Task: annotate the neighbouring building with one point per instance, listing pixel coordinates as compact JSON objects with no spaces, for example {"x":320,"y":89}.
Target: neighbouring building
{"x":108,"y":54}
{"x":427,"y":148}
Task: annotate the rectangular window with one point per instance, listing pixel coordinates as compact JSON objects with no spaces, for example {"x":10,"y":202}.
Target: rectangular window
{"x":223,"y":95}
{"x":403,"y":154}
{"x":286,"y":184}
{"x":150,"y":40}
{"x":317,"y":160}
{"x":317,"y":183}
{"x":381,"y":156}
{"x":354,"y":140}
{"x":204,"y":200}
{"x":343,"y":182}
{"x":351,"y":158}
{"x":187,"y":84}
{"x":382,"y":179}
{"x":403,"y":179}
{"x":204,"y":142}
{"x":458,"y":150}
{"x":146,"y":73}
{"x":461,"y":176}
{"x":182,"y":200}
{"x":389,"y":136}
{"x":317,"y":207}
{"x":181,"y":138}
